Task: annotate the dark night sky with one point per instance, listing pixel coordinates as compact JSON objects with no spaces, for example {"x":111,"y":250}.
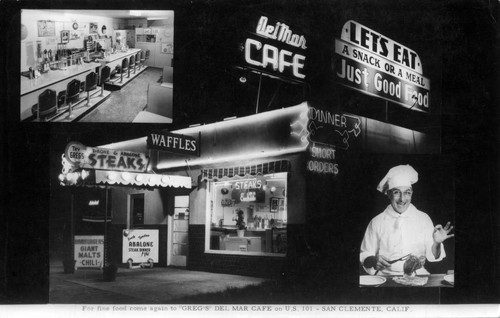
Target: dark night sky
{"x":456,"y":40}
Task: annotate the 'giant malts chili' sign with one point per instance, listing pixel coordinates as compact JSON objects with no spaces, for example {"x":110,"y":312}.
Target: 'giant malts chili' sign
{"x":378,"y":66}
{"x":89,"y":251}
{"x":274,"y":49}
{"x":105,"y":159}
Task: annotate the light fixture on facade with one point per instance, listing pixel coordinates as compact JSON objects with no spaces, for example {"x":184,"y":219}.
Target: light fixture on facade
{"x":85,"y":174}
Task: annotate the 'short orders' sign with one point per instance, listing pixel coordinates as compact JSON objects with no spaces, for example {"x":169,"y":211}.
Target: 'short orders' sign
{"x":89,"y":251}
{"x":140,"y":246}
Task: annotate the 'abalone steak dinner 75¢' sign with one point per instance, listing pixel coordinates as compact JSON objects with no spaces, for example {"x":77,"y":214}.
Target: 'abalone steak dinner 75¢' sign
{"x":376,"y":65}
{"x":140,"y":246}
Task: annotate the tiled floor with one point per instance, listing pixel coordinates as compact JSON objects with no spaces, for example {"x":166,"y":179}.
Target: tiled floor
{"x":125,"y":104}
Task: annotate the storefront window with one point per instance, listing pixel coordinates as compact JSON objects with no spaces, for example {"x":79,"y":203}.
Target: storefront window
{"x":262,"y":203}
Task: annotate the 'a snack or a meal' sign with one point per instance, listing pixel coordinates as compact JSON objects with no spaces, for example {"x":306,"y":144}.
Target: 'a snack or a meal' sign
{"x":376,"y":65}
{"x":105,"y":159}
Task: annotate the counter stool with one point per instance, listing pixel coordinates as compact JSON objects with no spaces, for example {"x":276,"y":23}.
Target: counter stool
{"x":47,"y":104}
{"x":146,"y":57}
{"x":105,"y":75}
{"x":72,"y":92}
{"x":138,"y":60}
{"x":143,"y":58}
{"x":131,"y":64}
{"x":90,"y":84}
{"x":123,"y":69}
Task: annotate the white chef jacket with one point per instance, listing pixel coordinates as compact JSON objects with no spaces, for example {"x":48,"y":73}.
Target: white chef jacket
{"x":394,"y":235}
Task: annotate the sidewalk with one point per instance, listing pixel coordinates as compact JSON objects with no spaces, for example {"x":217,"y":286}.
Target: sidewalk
{"x":138,"y":286}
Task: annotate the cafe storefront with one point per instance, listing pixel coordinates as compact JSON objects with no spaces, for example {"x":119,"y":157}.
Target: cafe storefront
{"x":118,"y":209}
{"x":270,"y":171}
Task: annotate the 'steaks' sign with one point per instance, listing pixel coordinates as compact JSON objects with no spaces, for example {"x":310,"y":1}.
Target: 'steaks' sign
{"x":174,"y":143}
{"x":105,"y":159}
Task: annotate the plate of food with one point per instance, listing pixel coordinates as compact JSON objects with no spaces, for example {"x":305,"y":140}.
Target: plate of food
{"x":450,"y":279}
{"x":369,"y":280}
{"x":411,"y":280}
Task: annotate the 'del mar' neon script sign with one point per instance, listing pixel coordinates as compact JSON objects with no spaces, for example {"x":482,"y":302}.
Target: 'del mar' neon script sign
{"x":276,"y":50}
{"x":378,"y":66}
{"x":105,"y":159}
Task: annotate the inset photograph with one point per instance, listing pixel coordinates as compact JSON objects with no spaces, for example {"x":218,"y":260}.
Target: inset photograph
{"x":409,"y":236}
{"x":96,"y":66}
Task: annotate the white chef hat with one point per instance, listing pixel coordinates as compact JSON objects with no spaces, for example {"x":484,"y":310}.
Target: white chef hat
{"x":398,"y":176}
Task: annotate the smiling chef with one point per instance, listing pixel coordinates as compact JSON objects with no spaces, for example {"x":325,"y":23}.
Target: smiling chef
{"x":401,"y":229}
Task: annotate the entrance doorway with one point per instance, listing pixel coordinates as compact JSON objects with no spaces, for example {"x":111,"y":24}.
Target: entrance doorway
{"x":136,"y":215}
{"x":178,"y":225}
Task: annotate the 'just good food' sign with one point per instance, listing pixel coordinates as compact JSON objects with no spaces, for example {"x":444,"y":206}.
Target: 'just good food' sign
{"x":376,"y":65}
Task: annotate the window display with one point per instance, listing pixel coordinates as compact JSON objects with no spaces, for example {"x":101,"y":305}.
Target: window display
{"x":249,"y":215}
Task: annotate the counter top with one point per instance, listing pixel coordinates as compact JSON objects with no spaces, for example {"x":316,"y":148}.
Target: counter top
{"x":52,"y":77}
{"x":119,"y":55}
{"x":434,"y":280}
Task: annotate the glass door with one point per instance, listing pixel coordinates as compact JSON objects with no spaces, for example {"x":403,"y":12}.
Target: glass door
{"x":178,"y":231}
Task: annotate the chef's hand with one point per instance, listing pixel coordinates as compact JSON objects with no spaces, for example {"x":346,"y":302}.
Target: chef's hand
{"x":440,"y":234}
{"x":378,"y":262}
{"x":382,"y":262}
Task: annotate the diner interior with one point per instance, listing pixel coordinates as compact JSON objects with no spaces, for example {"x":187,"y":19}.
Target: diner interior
{"x":97,"y":66}
{"x":260,"y":204}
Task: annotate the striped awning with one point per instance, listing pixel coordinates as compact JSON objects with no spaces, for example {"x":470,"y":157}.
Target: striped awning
{"x":213,"y":174}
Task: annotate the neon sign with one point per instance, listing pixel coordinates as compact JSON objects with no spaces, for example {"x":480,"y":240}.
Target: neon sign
{"x":93,"y":202}
{"x":81,"y":156}
{"x":322,"y":160}
{"x":277,"y":50}
{"x":335,"y":129}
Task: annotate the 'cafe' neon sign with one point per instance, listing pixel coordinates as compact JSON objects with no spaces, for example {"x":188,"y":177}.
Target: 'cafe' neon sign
{"x":268,"y":56}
